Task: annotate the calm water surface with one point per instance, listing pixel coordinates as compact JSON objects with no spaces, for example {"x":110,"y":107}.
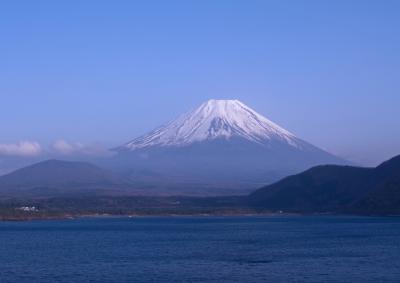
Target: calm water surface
{"x":202,"y":249}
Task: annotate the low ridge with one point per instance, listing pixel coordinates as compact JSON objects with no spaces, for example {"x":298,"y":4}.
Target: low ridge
{"x":335,"y":189}
{"x":57,"y":174}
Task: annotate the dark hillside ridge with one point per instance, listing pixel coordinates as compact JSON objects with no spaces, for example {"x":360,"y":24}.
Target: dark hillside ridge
{"x":340,"y":189}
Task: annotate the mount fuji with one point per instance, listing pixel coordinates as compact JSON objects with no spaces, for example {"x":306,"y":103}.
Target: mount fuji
{"x":220,"y":147}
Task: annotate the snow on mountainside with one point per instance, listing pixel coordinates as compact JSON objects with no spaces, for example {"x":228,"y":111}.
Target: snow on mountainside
{"x":216,"y":119}
{"x":222,"y":145}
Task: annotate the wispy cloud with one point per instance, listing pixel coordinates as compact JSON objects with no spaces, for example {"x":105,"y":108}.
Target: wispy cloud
{"x":60,"y":147}
{"x":66,"y":148}
{"x":22,"y":148}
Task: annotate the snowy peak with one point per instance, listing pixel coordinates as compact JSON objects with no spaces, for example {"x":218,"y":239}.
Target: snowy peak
{"x":216,"y":119}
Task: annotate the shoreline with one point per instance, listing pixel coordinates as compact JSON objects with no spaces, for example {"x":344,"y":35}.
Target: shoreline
{"x":109,"y":216}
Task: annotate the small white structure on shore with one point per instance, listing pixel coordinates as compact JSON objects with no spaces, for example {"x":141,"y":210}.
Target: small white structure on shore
{"x":28,"y":208}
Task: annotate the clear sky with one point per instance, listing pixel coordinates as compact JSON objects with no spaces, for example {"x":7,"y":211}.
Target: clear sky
{"x":107,"y":71}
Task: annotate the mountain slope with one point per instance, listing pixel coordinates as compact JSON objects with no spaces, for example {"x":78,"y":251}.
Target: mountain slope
{"x":212,"y":120}
{"x":335,"y":189}
{"x":59,"y":174}
{"x":322,"y":188}
{"x":384,"y":196}
{"x":221,"y":145}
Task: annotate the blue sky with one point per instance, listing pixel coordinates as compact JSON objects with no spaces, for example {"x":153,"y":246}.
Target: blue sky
{"x":106,"y":71}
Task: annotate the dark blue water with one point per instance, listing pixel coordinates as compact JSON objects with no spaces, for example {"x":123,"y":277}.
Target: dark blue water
{"x":202,"y":249}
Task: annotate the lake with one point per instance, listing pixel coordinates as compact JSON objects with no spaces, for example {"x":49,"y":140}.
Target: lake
{"x":202,"y":249}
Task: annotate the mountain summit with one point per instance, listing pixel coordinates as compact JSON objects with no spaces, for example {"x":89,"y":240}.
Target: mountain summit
{"x":221,"y":145}
{"x":216,"y":119}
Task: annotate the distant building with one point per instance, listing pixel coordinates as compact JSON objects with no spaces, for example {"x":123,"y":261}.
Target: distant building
{"x":28,"y":208}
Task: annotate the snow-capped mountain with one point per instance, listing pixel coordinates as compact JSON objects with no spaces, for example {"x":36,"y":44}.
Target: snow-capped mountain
{"x":223,"y":144}
{"x":215,"y":119}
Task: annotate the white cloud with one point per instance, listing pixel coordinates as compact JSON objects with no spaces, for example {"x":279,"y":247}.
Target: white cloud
{"x":22,"y":148}
{"x":60,"y":147}
{"x":65,"y":148}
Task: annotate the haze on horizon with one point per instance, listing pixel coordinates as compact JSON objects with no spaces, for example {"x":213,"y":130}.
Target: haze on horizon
{"x":92,"y":75}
